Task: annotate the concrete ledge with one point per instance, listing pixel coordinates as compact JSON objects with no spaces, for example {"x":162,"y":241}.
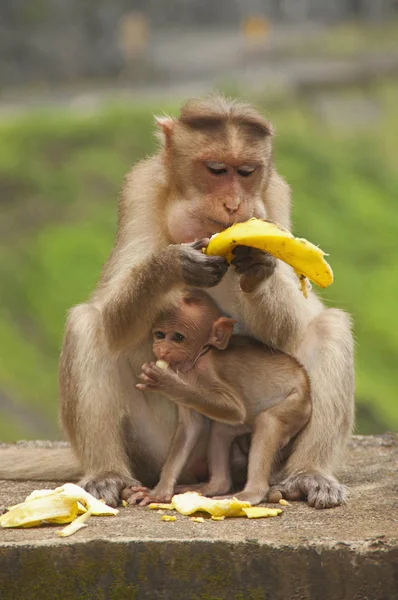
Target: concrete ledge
{"x":346,"y":553}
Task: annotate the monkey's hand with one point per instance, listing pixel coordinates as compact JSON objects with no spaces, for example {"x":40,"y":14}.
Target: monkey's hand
{"x":154,"y":378}
{"x":198,"y":269}
{"x":253,"y":265}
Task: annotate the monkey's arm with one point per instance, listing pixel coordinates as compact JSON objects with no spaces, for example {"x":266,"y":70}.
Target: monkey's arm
{"x":214,"y":399}
{"x":279,"y":296}
{"x":128,"y":312}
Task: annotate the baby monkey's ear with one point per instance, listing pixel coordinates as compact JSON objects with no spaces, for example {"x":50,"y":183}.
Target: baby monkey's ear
{"x":221,"y":332}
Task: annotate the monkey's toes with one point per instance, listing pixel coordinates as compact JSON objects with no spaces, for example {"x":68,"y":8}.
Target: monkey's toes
{"x":107,"y":486}
{"x":273,"y":496}
{"x":320,"y":491}
{"x":252,"y":496}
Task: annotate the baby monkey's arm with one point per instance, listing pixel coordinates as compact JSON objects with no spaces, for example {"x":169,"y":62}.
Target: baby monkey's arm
{"x":211,"y":398}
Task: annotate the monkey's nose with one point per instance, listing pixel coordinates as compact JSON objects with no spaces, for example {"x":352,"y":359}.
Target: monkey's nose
{"x":231,"y":209}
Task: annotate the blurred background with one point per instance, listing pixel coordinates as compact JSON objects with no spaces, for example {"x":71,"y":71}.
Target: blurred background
{"x":79,"y":84}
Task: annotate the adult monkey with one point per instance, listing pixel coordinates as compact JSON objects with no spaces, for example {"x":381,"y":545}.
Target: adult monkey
{"x":214,"y":169}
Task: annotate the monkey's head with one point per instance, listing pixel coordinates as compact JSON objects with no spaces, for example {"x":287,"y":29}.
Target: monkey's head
{"x":185,"y":331}
{"x":218,"y":156}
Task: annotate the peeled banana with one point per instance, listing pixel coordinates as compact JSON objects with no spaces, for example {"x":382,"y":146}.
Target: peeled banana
{"x":305,"y":258}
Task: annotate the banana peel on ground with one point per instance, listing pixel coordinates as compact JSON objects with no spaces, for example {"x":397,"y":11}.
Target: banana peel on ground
{"x":190,"y":503}
{"x":306,"y":259}
{"x":68,"y":503}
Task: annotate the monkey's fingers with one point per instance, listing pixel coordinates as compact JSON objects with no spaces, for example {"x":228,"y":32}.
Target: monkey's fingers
{"x":274,"y":495}
{"x":305,"y":258}
{"x":148,"y":380}
{"x":200,"y":270}
{"x":153,"y":373}
{"x":150,"y":374}
{"x":199,"y":244}
{"x":128,"y":491}
{"x":277,"y":492}
{"x":138,"y":496}
{"x":242,"y":251}
{"x":146,"y":387}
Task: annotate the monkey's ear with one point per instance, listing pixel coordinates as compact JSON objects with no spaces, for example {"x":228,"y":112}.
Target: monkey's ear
{"x":166,"y":124}
{"x":221,"y":332}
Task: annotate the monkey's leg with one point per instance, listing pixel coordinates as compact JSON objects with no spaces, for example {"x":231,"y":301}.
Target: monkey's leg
{"x":327,"y":353}
{"x":273,"y":429}
{"x":189,"y":428}
{"x":221,"y":438}
{"x":97,"y":396}
{"x":265,"y":443}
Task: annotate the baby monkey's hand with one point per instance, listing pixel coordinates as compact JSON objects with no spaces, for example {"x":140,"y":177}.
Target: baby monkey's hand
{"x":155,"y":378}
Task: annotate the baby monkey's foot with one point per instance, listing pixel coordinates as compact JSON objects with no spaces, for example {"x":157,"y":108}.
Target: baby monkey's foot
{"x":194,"y":487}
{"x":215,"y":488}
{"x":252,"y":496}
{"x":206,"y":489}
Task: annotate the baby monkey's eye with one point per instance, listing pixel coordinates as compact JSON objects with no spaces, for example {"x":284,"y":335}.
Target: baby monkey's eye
{"x":159,"y":335}
{"x":178,"y":337}
{"x":216,"y":168}
{"x":245,"y":170}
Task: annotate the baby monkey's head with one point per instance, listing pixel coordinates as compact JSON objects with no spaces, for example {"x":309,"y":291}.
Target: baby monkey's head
{"x":184,"y":331}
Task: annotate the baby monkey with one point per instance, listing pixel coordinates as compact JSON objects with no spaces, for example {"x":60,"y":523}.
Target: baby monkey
{"x":210,"y":373}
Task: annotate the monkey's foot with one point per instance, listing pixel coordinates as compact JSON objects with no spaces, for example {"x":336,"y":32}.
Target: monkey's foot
{"x":142,"y":496}
{"x":320,"y":491}
{"x":212,"y":488}
{"x":207,"y":489}
{"x":194,"y":487}
{"x":107,"y":486}
{"x":252,"y":496}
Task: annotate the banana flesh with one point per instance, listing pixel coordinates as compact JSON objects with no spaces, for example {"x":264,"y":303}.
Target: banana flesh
{"x":306,"y":259}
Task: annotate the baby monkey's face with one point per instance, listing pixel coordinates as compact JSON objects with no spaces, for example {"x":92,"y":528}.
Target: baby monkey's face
{"x":181,"y":337}
{"x":184,"y":334}
{"x":177,"y":345}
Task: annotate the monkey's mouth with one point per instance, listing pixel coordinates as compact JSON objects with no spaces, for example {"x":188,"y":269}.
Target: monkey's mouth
{"x":220,"y":225}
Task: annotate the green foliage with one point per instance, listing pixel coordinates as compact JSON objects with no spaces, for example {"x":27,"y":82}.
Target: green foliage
{"x":60,"y":175}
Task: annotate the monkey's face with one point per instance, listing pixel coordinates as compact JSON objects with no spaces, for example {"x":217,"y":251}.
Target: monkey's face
{"x":219,"y":181}
{"x":177,"y":348}
{"x":180,"y":338}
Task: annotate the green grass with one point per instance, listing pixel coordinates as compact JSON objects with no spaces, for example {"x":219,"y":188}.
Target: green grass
{"x":60,"y":175}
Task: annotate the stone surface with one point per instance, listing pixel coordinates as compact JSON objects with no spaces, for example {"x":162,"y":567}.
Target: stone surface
{"x":349,"y":552}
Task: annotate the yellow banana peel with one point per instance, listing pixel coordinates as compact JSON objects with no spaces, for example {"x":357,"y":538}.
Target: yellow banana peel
{"x":306,"y":259}
{"x":48,"y":509}
{"x":59,"y":506}
{"x":168,"y":518}
{"x":75,"y":525}
{"x":259,"y":512}
{"x":192,"y":502}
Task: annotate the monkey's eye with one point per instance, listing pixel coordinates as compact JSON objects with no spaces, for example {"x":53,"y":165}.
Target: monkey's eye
{"x":159,"y":335}
{"x":178,"y":337}
{"x":216,"y":168}
{"x":245,"y":170}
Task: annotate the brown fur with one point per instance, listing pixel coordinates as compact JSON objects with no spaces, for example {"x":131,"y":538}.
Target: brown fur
{"x":117,"y":432}
{"x":233,"y":380}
